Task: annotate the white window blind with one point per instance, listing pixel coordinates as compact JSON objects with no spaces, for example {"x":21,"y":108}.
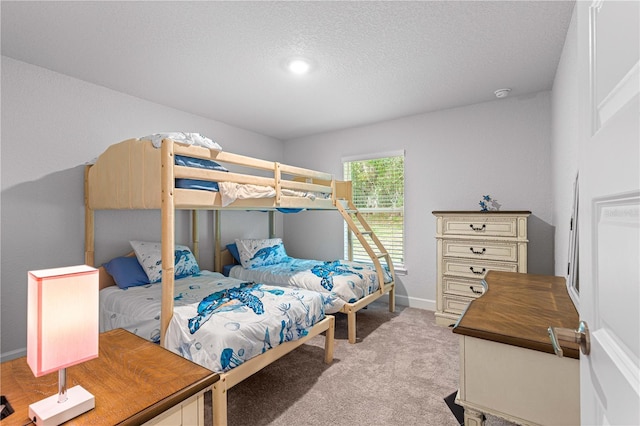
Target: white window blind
{"x":378,"y":193}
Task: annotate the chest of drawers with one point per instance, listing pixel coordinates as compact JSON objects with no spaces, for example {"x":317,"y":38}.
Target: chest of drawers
{"x":469,"y":244}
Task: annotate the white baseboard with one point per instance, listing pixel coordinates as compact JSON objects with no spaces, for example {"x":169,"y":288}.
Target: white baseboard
{"x":8,"y":356}
{"x":412,"y":302}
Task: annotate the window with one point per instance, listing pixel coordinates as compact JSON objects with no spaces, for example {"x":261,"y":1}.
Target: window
{"x":378,"y":194}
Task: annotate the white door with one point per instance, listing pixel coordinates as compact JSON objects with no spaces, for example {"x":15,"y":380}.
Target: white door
{"x":609,"y":218}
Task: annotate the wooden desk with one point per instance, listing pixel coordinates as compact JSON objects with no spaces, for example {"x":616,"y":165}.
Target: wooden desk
{"x":133,"y":381}
{"x":507,"y":364}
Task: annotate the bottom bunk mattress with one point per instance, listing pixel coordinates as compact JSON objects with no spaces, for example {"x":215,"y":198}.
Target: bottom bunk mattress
{"x":340,"y":281}
{"x":218,"y":322}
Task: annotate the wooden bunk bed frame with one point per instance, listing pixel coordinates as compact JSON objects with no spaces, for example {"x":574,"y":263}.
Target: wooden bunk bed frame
{"x":135,"y":175}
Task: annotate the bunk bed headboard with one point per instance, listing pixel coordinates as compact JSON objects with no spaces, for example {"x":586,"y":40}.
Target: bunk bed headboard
{"x":225,"y":259}
{"x":105,"y":280}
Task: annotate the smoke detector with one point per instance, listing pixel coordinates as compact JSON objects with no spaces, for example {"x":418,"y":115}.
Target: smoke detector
{"x":502,"y":93}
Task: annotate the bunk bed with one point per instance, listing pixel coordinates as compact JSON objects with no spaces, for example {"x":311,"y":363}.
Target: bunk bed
{"x":145,"y":174}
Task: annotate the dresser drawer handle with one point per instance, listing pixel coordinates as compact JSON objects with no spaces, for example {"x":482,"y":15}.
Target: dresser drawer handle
{"x":478,"y":229}
{"x":478,"y":272}
{"x":477,"y":251}
{"x":474,"y":290}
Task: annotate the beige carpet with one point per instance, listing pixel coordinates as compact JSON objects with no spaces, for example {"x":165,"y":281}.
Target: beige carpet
{"x":398,"y":373}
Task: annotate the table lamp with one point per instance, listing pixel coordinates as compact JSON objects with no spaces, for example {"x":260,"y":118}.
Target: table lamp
{"x":62,"y":330}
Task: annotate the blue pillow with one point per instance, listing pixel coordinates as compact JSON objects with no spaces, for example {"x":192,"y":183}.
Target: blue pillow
{"x":200,"y":163}
{"x":204,"y":185}
{"x":126,"y":272}
{"x":233,"y":249}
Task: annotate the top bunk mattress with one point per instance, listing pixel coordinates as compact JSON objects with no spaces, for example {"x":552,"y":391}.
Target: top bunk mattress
{"x":218,"y":322}
{"x":129,"y":175}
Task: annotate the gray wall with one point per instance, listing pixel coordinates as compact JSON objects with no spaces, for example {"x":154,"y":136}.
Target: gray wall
{"x":51,"y":126}
{"x":453,"y":157}
{"x":565,"y":143}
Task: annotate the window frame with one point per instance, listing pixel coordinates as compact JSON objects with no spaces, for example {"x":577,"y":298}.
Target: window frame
{"x":348,"y":235}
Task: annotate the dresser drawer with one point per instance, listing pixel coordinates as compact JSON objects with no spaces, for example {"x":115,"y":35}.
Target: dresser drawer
{"x":462,"y":287}
{"x":483,"y":225}
{"x":474,"y":268}
{"x":506,"y":251}
{"x":453,"y":304}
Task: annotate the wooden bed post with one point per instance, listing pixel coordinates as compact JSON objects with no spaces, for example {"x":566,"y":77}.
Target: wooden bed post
{"x":272,"y":224}
{"x":220,"y":402}
{"x":89,"y":224}
{"x":278,"y":182}
{"x":217,"y":250}
{"x":195,"y":235}
{"x":168,"y":237}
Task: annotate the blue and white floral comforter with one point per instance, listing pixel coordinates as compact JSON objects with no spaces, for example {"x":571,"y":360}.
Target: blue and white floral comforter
{"x":340,"y":281}
{"x":218,"y":322}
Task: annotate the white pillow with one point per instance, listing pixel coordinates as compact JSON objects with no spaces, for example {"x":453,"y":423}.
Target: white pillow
{"x":186,"y":138}
{"x":150,"y":257}
{"x":264,"y":252}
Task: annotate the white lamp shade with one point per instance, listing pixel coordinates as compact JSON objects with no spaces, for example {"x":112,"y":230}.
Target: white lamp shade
{"x":62,"y":318}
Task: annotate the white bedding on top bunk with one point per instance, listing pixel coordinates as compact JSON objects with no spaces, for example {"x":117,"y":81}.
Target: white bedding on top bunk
{"x":186,"y":138}
{"x":248,"y":319}
{"x":341,"y":281}
{"x":231,"y":191}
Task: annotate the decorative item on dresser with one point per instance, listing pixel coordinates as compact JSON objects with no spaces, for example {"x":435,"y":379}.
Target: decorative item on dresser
{"x":469,"y":244}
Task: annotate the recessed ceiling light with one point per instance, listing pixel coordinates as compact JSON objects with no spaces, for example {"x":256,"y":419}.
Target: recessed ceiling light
{"x":299,"y":66}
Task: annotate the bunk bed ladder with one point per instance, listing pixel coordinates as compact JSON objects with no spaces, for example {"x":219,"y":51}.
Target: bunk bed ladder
{"x":369,"y":240}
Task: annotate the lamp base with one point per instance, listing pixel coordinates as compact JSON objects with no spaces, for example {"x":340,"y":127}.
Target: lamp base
{"x":50,"y":412}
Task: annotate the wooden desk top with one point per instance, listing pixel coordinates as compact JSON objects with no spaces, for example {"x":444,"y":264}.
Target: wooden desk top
{"x":133,"y":380}
{"x":517,"y":309}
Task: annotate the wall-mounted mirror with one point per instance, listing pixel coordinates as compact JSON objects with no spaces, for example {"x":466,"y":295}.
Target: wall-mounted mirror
{"x":573,"y":283}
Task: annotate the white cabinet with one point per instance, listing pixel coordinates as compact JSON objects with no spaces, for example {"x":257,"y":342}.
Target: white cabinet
{"x":520,"y":385}
{"x":507,"y":362}
{"x":190,"y":412}
{"x":469,"y":244}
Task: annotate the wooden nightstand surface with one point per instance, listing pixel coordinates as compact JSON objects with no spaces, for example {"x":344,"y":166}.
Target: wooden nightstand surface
{"x":518,"y":308}
{"x":133,"y":380}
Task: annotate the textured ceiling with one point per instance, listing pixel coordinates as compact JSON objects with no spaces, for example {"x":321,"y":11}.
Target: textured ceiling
{"x":373,"y":61}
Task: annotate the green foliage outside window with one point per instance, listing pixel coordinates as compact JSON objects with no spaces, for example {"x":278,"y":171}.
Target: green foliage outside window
{"x":378,"y":193}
